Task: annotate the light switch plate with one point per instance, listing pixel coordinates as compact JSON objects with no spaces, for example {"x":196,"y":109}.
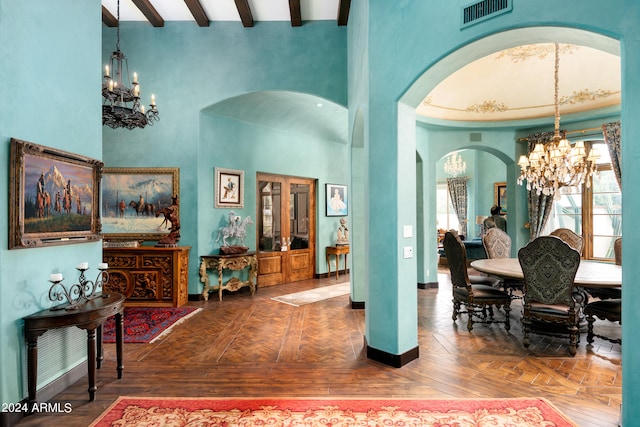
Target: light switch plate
{"x":407,"y":231}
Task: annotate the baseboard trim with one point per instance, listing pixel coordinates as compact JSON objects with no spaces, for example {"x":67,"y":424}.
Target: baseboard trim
{"x":428,"y":285}
{"x":357,"y":305}
{"x":393,"y":360}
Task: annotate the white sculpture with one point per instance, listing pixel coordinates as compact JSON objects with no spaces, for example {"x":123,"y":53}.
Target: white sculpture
{"x":343,"y":233}
{"x":237,"y":228}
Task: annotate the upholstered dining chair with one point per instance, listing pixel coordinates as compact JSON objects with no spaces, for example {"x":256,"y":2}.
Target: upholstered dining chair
{"x":478,"y":294}
{"x":606,"y":309}
{"x":610,"y":293}
{"x":617,"y":250}
{"x":549,"y":266}
{"x":497,"y":244}
{"x":570,"y":237}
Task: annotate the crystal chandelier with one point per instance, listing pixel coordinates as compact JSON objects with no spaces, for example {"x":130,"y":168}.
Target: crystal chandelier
{"x":556,"y":164}
{"x":454,"y":165}
{"x":121,"y":106}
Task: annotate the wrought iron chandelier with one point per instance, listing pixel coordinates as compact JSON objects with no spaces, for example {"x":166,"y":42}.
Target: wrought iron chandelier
{"x":121,"y":106}
{"x":454,"y":165}
{"x":556,"y":164}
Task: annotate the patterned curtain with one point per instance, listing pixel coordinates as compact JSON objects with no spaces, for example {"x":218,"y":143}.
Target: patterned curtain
{"x":611,"y":133}
{"x":458,"y":193}
{"x":539,"y":205}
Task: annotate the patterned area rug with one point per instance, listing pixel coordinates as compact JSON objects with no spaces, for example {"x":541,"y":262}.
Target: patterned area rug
{"x":314,"y":295}
{"x":525,"y":412}
{"x":147,"y":324}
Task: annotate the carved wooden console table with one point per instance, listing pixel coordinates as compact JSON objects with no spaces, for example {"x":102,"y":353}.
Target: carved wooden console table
{"x":149,"y":276}
{"x":234,"y":262}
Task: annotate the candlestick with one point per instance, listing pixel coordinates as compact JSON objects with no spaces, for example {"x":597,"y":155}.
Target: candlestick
{"x":103,"y":266}
{"x":83,"y":266}
{"x":55,"y":277}
{"x":106,"y":71}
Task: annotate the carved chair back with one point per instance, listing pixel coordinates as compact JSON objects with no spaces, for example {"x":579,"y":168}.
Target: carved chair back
{"x":570,"y":237}
{"x":617,"y":250}
{"x":497,"y":243}
{"x":456,"y":255}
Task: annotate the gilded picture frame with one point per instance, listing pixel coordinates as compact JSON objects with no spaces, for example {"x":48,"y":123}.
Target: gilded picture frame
{"x":54,"y":196}
{"x":500,"y":196}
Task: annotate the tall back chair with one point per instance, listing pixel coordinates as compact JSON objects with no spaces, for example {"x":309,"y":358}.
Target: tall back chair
{"x":549,"y":266}
{"x":497,"y":243}
{"x":477,"y":296}
{"x":617,"y":250}
{"x":570,"y":237}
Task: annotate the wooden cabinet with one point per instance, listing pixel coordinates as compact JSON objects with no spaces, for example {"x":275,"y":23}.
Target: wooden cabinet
{"x":149,"y":276}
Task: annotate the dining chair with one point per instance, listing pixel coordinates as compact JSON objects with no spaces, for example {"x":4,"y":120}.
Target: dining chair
{"x":610,"y":293}
{"x":549,"y":266}
{"x":617,"y":250}
{"x":478,"y":294}
{"x":606,"y":309}
{"x":570,"y":237}
{"x":497,"y":244}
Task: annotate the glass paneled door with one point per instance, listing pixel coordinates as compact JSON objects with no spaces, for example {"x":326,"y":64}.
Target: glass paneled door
{"x":285,"y":228}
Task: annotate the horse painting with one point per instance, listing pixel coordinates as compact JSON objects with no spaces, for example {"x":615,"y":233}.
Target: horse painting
{"x":145,"y":208}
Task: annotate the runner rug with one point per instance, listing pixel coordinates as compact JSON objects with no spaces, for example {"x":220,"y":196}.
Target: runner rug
{"x":147,"y":324}
{"x":163,"y":411}
{"x":315,"y":295}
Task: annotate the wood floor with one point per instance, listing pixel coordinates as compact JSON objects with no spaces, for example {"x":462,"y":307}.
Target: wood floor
{"x":254,"y":346}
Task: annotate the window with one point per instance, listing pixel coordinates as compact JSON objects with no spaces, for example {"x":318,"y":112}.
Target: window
{"x":595,"y":212}
{"x":447,"y":218}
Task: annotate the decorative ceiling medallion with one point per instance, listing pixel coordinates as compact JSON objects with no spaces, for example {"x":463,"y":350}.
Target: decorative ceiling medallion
{"x":586,"y":95}
{"x":487,"y":107}
{"x":541,"y":51}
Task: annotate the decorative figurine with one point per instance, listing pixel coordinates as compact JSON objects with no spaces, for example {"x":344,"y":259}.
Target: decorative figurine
{"x":171,"y":216}
{"x":237,"y":229}
{"x":343,"y":233}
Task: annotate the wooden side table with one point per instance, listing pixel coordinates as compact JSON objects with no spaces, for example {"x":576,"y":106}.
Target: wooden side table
{"x":89,"y":316}
{"x":234,"y":262}
{"x":337,"y":251}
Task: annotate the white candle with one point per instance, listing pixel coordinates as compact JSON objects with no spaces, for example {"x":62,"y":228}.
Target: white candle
{"x":106,"y":71}
{"x":135,"y":77}
{"x":55,"y":277}
{"x":83,"y":266}
{"x":136,"y":91}
{"x":103,"y":266}
{"x":153,"y":100}
{"x":110,"y":85}
{"x":142,"y":109}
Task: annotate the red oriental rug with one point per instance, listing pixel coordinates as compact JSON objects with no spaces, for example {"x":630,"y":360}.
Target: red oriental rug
{"x":146,"y":324}
{"x":165,"y":411}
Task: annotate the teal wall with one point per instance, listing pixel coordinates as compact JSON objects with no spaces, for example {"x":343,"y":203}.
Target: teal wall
{"x":48,"y":83}
{"x":407,"y":58}
{"x":192,"y":71}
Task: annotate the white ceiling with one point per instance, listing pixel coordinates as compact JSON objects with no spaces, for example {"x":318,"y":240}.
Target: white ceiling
{"x":225,"y":10}
{"x":518,"y":84}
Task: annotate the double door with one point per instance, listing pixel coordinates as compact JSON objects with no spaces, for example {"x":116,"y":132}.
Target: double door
{"x":286,"y":212}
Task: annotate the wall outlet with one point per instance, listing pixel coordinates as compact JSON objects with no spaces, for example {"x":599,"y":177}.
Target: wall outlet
{"x":408,"y":252}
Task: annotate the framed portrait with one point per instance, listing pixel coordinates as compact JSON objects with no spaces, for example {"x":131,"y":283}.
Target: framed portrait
{"x":130,"y":199}
{"x":500,"y":196}
{"x":229,"y":188}
{"x":337,"y":200}
{"x":54,"y":196}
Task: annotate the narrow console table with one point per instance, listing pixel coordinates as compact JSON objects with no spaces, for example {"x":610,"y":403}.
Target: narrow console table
{"x":337,"y":251}
{"x":89,"y":316}
{"x":149,"y":276}
{"x":235,"y":262}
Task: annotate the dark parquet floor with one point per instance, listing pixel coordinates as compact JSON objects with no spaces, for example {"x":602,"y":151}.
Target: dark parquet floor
{"x":252,"y":346}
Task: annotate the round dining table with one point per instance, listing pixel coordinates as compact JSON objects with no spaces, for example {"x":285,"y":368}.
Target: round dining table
{"x":591,"y":274}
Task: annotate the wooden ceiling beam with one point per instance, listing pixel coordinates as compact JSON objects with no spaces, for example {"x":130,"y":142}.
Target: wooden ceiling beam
{"x":343,"y":12}
{"x":149,"y":12}
{"x":294,"y":10}
{"x":245,"y":13}
{"x":108,"y":19}
{"x":198,"y":12}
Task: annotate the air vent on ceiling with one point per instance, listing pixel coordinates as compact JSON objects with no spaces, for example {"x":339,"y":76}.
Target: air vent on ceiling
{"x":475,"y":137}
{"x":483,"y":10}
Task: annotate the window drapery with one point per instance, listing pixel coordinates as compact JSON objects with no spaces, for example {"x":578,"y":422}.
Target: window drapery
{"x":458,"y":192}
{"x":539,"y":205}
{"x":611,"y":132}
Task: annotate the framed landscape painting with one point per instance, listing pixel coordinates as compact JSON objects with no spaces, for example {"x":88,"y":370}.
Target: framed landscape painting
{"x":500,"y":196}
{"x":130,"y":199}
{"x":54,"y":196}
{"x":229,"y":188}
{"x":336,"y":200}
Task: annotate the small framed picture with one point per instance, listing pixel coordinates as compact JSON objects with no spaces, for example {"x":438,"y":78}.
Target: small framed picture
{"x":229,"y":188}
{"x":337,"y":200}
{"x":500,"y":196}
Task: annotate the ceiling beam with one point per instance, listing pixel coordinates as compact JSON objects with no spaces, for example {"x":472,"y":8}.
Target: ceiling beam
{"x":343,"y":12}
{"x":108,"y":19}
{"x":245,"y":13}
{"x":198,"y":12}
{"x":294,"y":10}
{"x":149,"y":12}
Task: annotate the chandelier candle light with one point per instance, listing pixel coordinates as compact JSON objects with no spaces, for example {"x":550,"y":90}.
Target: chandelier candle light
{"x":556,"y":164}
{"x":121,"y":106}
{"x":454,"y":165}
